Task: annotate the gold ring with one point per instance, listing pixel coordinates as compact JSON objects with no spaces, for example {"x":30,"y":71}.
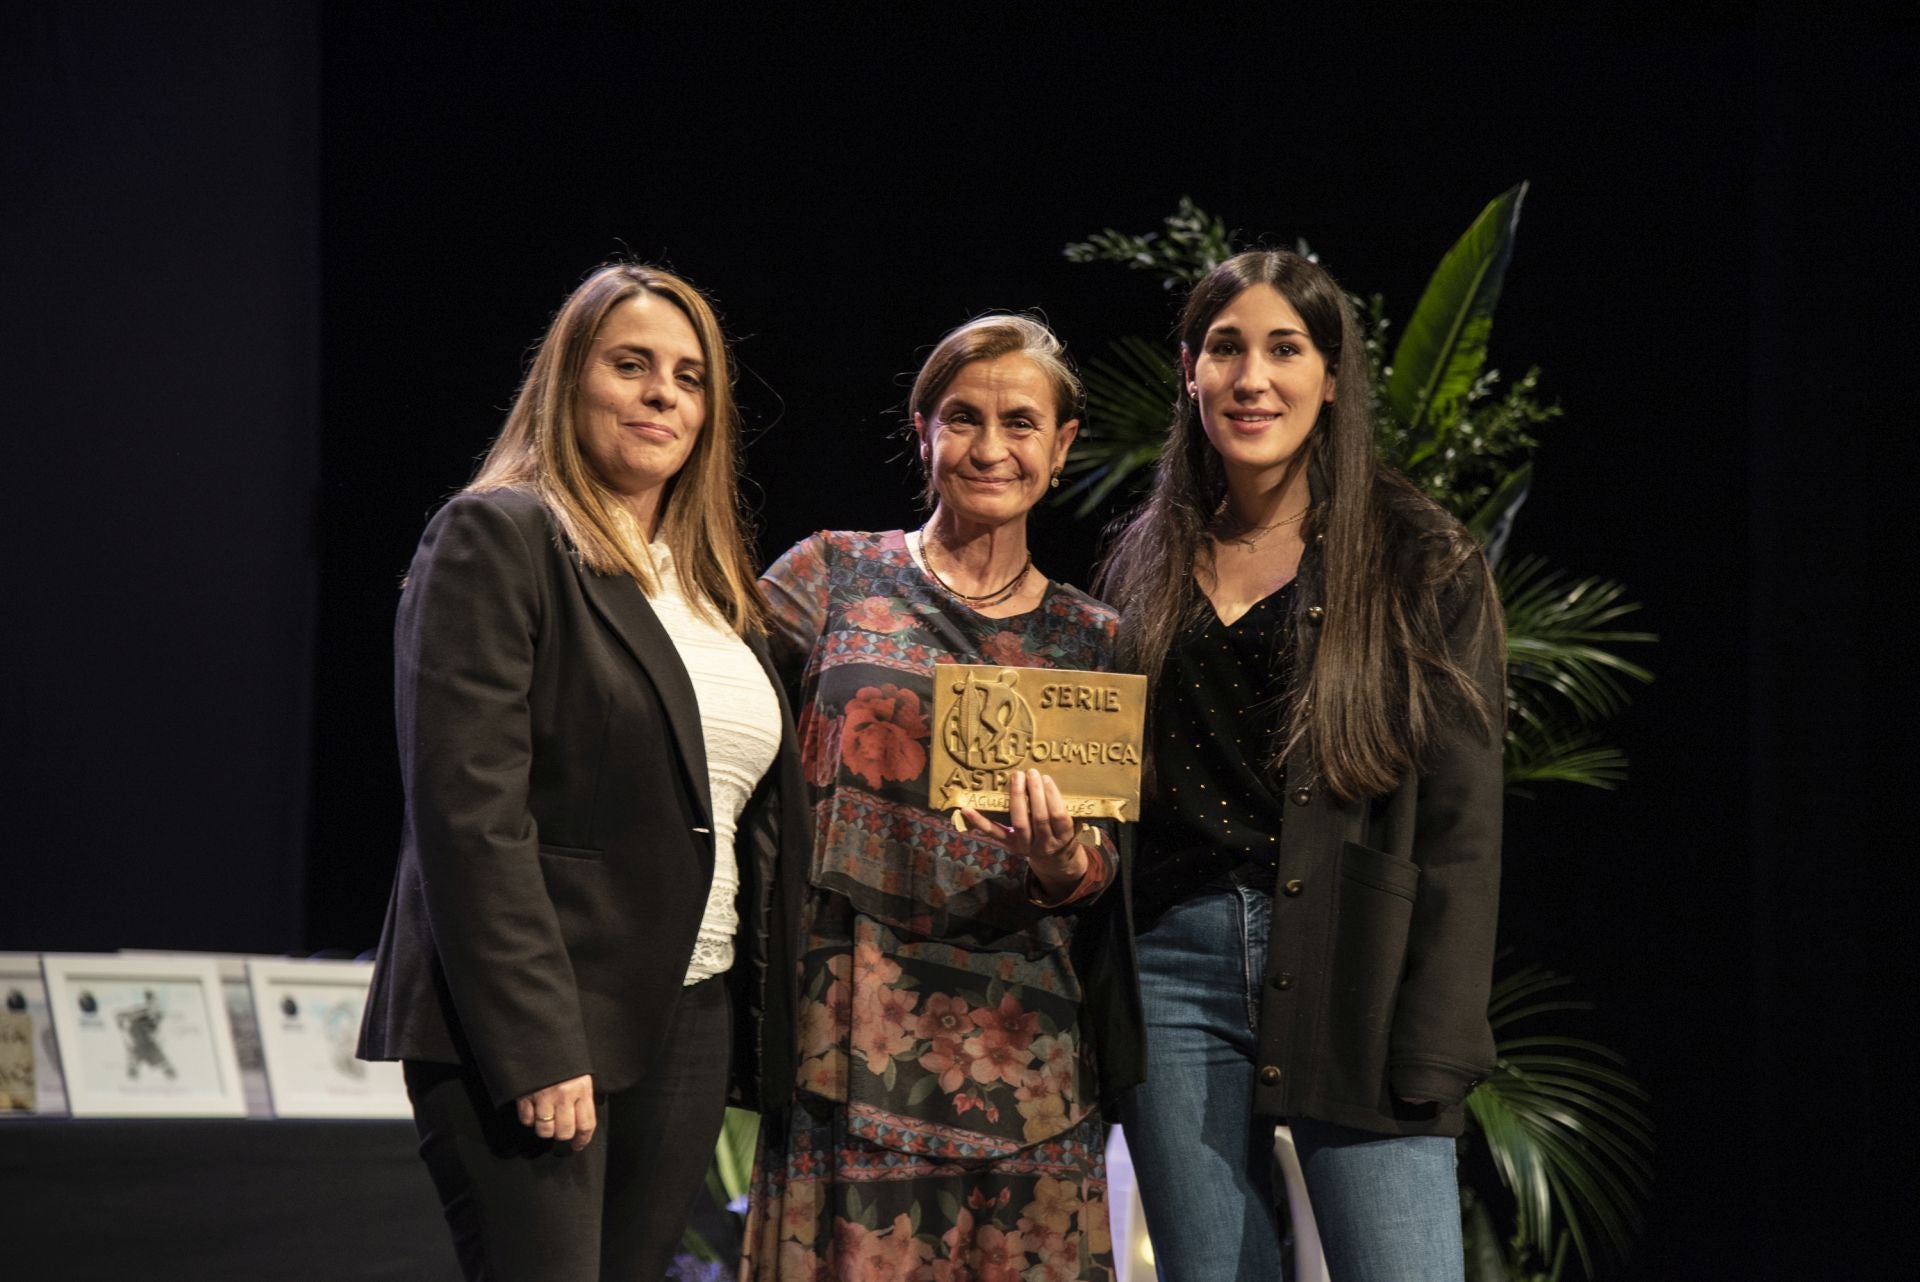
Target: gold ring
{"x":547,"y":1118}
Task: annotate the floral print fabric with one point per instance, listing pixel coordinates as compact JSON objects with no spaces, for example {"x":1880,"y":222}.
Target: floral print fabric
{"x":943,"y":1125}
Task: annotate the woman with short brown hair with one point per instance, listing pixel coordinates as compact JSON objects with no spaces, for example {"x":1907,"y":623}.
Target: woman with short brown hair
{"x":944,"y":1118}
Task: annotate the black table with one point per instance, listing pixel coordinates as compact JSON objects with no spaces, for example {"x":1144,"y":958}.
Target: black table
{"x":206,"y":1201}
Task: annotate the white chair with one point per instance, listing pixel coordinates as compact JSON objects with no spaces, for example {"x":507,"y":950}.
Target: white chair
{"x":1309,"y":1265}
{"x":1133,"y":1252}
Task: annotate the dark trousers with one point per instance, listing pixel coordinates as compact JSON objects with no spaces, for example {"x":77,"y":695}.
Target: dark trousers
{"x":525,"y":1208}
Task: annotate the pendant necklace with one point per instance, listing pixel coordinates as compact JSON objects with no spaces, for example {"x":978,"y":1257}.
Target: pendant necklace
{"x":1250,"y":537}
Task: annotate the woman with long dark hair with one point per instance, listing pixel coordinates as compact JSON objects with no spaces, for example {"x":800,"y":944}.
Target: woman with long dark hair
{"x":1314,"y":892}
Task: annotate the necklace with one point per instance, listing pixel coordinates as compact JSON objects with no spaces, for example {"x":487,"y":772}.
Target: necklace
{"x":1250,"y":536}
{"x":986,"y":598}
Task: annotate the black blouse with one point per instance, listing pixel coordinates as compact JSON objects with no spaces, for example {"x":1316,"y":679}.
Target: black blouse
{"x":1213,"y":808}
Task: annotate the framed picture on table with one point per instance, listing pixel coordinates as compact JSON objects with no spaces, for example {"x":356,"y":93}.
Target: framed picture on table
{"x":143,"y":1036}
{"x":29,"y":1058}
{"x":240,"y":1019}
{"x":309,"y":1018}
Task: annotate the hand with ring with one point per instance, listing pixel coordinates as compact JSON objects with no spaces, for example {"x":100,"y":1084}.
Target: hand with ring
{"x":562,"y":1111}
{"x":1039,"y":830}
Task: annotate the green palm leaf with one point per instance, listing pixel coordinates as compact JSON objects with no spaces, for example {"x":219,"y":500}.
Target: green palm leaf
{"x":1558,"y":632}
{"x":733,"y":1154}
{"x":1444,"y":344}
{"x":1493,"y":523}
{"x":1538,"y":753}
{"x":1561,"y":674}
{"x":1565,"y":1129}
{"x":728,"y":1175}
{"x":1130,"y":400}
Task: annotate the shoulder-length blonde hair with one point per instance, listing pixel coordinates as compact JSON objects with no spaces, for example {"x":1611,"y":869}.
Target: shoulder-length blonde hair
{"x":538,"y":450}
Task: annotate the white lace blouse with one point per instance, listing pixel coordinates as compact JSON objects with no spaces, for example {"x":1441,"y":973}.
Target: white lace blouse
{"x":740,"y":719}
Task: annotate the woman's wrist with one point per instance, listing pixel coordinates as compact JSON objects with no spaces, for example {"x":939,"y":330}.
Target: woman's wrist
{"x":1060,"y":872}
{"x":1063,"y":869}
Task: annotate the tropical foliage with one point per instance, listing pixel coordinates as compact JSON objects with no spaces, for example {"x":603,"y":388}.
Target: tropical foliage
{"x":1558,"y":1121}
{"x":711,"y":1246}
{"x":1564,"y":1127}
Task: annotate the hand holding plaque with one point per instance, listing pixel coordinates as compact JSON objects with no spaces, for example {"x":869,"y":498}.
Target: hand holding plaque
{"x":1082,"y":729}
{"x":1039,"y":830}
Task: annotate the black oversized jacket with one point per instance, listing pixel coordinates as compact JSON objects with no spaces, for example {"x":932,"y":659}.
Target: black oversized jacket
{"x":1381,"y":954}
{"x":558,"y":845}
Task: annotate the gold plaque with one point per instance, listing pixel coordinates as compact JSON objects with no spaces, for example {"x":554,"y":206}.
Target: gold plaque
{"x":1085,"y":729}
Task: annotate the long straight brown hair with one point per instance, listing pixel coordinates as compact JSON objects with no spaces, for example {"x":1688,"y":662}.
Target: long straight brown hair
{"x":703,"y":522}
{"x":1373,"y":682}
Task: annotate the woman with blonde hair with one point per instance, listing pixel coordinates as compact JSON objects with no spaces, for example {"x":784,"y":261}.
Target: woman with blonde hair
{"x":588,"y":939}
{"x":943,"y":1122}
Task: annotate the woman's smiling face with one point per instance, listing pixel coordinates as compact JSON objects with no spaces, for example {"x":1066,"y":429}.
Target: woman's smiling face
{"x":994,"y":441}
{"x":1259,"y":381}
{"x":643,"y":397}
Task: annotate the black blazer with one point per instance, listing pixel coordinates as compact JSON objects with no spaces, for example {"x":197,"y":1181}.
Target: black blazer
{"x":558,"y":848}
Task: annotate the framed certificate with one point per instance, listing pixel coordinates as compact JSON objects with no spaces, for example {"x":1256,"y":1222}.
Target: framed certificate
{"x":30,"y":1079}
{"x":143,"y":1036}
{"x":240,"y":1019}
{"x":309,"y":1018}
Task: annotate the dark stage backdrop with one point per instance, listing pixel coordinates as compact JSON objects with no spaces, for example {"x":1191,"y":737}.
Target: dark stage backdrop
{"x":159,"y":333}
{"x":196,"y":757}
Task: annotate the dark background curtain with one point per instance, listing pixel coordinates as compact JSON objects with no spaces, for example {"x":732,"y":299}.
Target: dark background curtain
{"x":270,"y":274}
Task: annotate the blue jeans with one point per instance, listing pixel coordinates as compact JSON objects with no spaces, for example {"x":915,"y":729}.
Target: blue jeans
{"x":1387,"y":1207}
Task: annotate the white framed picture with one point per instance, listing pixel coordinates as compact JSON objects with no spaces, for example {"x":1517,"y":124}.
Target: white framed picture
{"x":240,"y":1019}
{"x":143,"y":1036}
{"x":309,"y":1018}
{"x":30,"y":1080}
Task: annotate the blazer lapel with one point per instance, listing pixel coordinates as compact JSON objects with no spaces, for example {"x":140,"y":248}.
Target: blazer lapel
{"x":619,"y":600}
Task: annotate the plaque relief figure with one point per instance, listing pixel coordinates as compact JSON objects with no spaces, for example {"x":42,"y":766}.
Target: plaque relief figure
{"x":991,"y":725}
{"x":944,"y":1117}
{"x":1318,"y":864}
{"x":139,"y":1027}
{"x":587,"y":952}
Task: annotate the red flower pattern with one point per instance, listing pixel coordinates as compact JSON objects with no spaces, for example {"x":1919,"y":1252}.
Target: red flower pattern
{"x":1005,"y":649}
{"x":819,"y":745}
{"x":875,"y":614}
{"x":1004,"y":1062}
{"x":1008,"y":1024}
{"x":880,"y":738}
{"x":951,"y":1059}
{"x":1001,"y":1256}
{"x":944,"y":1016}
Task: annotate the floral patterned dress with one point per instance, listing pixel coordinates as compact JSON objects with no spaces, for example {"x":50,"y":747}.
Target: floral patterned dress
{"x":944,"y":1123}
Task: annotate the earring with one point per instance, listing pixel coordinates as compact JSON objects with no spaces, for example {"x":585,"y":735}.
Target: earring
{"x":1056,"y":480}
